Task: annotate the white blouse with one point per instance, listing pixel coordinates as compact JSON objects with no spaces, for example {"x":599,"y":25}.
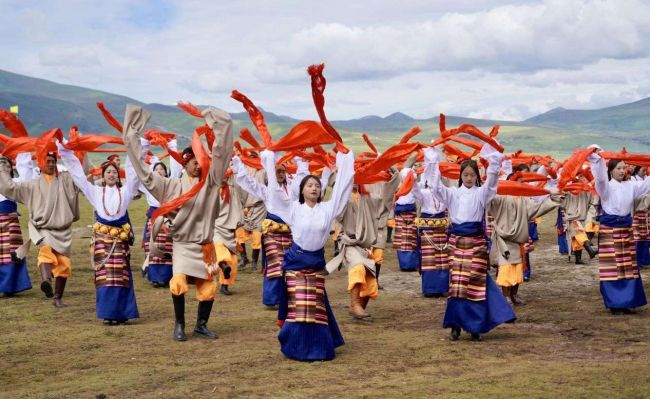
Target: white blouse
{"x":408,"y":198}
{"x":468,"y":204}
{"x":423,"y":192}
{"x":616,"y":198}
{"x":103,"y":199}
{"x":175,"y":170}
{"x":25,"y":168}
{"x":284,"y":194}
{"x":310,"y":227}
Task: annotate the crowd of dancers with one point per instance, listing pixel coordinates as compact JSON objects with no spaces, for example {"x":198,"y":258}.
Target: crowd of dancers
{"x":450,"y":213}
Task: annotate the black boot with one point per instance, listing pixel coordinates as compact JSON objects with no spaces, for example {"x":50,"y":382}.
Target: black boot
{"x":336,"y":248}
{"x":476,"y":337}
{"x":389,"y":235}
{"x":590,"y":235}
{"x":224,"y":289}
{"x":59,"y":287}
{"x":454,"y":334}
{"x":226,"y":270}
{"x":254,"y":258}
{"x":46,"y":280}
{"x":378,"y":269}
{"x":179,"y":317}
{"x":590,"y":249}
{"x":201,"y":328}
{"x":243,"y":258}
{"x":578,"y":256}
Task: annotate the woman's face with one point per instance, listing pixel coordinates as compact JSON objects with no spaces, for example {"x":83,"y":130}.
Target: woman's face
{"x":311,"y":190}
{"x":160,"y":170}
{"x":618,"y":173}
{"x":5,"y":165}
{"x":111,"y":176}
{"x":469,"y":177}
{"x":281,"y":174}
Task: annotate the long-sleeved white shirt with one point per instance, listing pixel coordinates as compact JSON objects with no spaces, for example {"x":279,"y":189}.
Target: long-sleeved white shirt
{"x":25,"y":168}
{"x":423,"y":192}
{"x":310,"y":227}
{"x":468,"y":204}
{"x":616,"y":198}
{"x":103,"y":199}
{"x":285,"y":193}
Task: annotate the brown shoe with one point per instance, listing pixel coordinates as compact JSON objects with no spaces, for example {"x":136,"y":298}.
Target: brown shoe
{"x":46,"y":280}
{"x":59,"y":287}
{"x":356,"y":309}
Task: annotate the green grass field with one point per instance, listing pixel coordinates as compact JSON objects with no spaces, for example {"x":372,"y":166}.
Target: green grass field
{"x":563,"y":345}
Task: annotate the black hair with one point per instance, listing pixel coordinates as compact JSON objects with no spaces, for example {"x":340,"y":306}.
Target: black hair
{"x":105,"y":166}
{"x":522,"y":167}
{"x":637,"y":169}
{"x":11,"y":165}
{"x":164,"y":167}
{"x":303,"y":182}
{"x":471,"y":164}
{"x":611,"y":165}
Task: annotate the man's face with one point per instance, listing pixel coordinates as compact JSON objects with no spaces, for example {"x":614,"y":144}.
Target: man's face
{"x":5,"y":165}
{"x":192,"y":168}
{"x":50,"y":166}
{"x":281,"y":174}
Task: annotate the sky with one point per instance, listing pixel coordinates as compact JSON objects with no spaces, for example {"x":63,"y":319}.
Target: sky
{"x":496,"y":59}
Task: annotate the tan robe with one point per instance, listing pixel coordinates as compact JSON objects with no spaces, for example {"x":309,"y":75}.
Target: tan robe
{"x":511,"y":216}
{"x":53,"y":207}
{"x":256,"y":209}
{"x":193,"y":224}
{"x":576,"y":210}
{"x":228,"y":218}
{"x":385,"y":191}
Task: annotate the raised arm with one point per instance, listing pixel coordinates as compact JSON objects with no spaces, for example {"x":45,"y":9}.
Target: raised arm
{"x":301,"y":172}
{"x":25,"y":167}
{"x":17,"y":191}
{"x":132,"y":181}
{"x":599,"y":170}
{"x":439,"y":190}
{"x":246,"y":182}
{"x":221,"y":124}
{"x":175,"y":168}
{"x":76,"y":171}
{"x":489,"y":189}
{"x":274,"y":191}
{"x":343,"y":184}
{"x":641,"y":188}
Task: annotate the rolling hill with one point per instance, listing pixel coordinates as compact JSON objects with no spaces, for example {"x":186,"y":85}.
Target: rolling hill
{"x":45,"y":104}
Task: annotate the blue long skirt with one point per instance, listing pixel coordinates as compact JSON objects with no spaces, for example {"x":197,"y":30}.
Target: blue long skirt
{"x":14,"y":278}
{"x":117,"y":303}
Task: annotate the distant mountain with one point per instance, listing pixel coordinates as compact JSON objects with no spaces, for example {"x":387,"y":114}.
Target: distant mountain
{"x":45,"y":104}
{"x":630,"y":117}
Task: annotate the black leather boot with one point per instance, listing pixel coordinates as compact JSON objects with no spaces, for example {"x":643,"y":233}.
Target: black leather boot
{"x":59,"y":287}
{"x":578,"y":256}
{"x":590,"y":249}
{"x":454,"y":334}
{"x":254,"y":258}
{"x":224,"y":290}
{"x":378,"y":269}
{"x":179,"y":317}
{"x":201,"y":328}
{"x":243,"y":258}
{"x":46,"y":280}
{"x":389,"y":235}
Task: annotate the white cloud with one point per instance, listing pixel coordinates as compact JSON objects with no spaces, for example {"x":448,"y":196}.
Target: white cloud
{"x":497,"y":59}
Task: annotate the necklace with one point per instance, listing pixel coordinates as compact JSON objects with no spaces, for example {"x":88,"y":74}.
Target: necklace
{"x":119,"y":206}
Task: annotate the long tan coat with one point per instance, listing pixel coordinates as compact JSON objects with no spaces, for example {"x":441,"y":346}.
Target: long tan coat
{"x":193,"y":224}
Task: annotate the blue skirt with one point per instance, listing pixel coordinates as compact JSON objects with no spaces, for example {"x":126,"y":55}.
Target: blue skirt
{"x":116,"y":303}
{"x":14,"y":278}
{"x":529,"y":270}
{"x":307,"y":341}
{"x":435,"y":282}
{"x":643,"y":253}
{"x":272,"y":291}
{"x":623,"y":294}
{"x":311,"y":341}
{"x":161,"y":274}
{"x":479,"y":317}
{"x":409,"y":261}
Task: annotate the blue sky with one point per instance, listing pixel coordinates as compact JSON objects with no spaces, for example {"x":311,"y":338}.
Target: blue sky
{"x":481,"y":58}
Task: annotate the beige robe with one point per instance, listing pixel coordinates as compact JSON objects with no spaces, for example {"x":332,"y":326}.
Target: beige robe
{"x":228,"y":218}
{"x":193,"y":224}
{"x":385,"y":191}
{"x":576,"y":210}
{"x":511,"y":216}
{"x":256,"y":209}
{"x":53,"y":207}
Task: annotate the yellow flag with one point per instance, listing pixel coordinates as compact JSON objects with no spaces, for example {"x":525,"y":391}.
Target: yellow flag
{"x":13,"y":109}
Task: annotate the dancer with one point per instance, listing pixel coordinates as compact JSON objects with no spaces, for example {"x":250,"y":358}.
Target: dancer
{"x":475,"y":303}
{"x":620,"y":282}
{"x":254,"y":213}
{"x":14,"y":277}
{"x":192,"y":224}
{"x":641,"y":222}
{"x":405,"y":240}
{"x":308,"y":328}
{"x":575,"y":209}
{"x":52,"y":202}
{"x":112,"y":236}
